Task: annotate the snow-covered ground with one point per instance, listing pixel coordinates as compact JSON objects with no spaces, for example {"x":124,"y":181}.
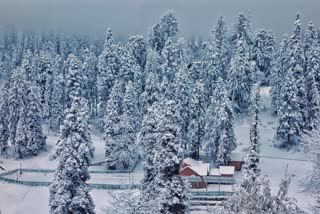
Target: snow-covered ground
{"x":274,"y":162}
{"x":16,"y":199}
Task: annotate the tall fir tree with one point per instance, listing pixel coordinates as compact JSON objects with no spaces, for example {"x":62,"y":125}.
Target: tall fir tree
{"x":220,"y":137}
{"x":182,"y":98}
{"x":69,"y":192}
{"x":240,"y":77}
{"x":113,"y":123}
{"x":171,"y":189}
{"x":196,"y":128}
{"x":108,"y":66}
{"x":166,"y":28}
{"x":278,"y":72}
{"x":290,"y":116}
{"x":74,"y":79}
{"x":4,"y":120}
{"x":90,"y":73}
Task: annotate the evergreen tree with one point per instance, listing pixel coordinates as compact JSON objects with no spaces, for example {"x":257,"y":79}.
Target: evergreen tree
{"x":45,"y":80}
{"x":58,"y":98}
{"x":74,"y":79}
{"x":17,"y":105}
{"x":251,"y":168}
{"x":262,"y":53}
{"x":242,"y":28}
{"x":113,"y":124}
{"x":69,"y":192}
{"x":196,"y":126}
{"x":170,"y":188}
{"x":182,"y":98}
{"x":313,"y":67}
{"x":138,"y":49}
{"x":108,"y":66}
{"x":151,"y":77}
{"x":217,"y":60}
{"x":36,"y":140}
{"x":220,"y":138}
{"x":240,"y":77}
{"x":4,"y":120}
{"x":148,"y":144}
{"x":290,"y":117}
{"x":28,"y":65}
{"x":167,"y":27}
{"x":279,"y":70}
{"x":296,"y":65}
{"x":173,"y":59}
{"x":90,"y":74}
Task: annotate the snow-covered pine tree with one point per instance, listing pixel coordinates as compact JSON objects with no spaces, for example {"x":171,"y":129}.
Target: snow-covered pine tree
{"x":262,"y":54}
{"x":196,"y":128}
{"x":45,"y":80}
{"x":28,"y":65}
{"x":173,"y":60}
{"x":312,"y":51}
{"x":36,"y":140}
{"x":220,"y":48}
{"x":216,"y":58}
{"x":290,"y":116}
{"x":90,"y":73}
{"x":240,"y":77}
{"x":112,"y":123}
{"x":242,"y":28}
{"x":182,"y":97}
{"x":170,"y":189}
{"x":313,"y":68}
{"x":124,"y":150}
{"x":108,"y":66}
{"x":4,"y":119}
{"x":223,"y":136}
{"x":167,"y":27}
{"x":128,"y":66}
{"x":251,"y":167}
{"x":58,"y":97}
{"x":16,"y":98}
{"x":138,"y":49}
{"x":278,"y":73}
{"x":74,"y":79}
{"x":296,"y":65}
{"x":147,"y":140}
{"x":69,"y":192}
{"x":152,"y":83}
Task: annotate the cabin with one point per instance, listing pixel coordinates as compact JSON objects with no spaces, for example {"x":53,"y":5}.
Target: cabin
{"x":195,"y":171}
{"x":236,"y":160}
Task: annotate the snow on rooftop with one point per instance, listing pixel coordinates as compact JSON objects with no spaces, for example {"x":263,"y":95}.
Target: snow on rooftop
{"x":192,"y":162}
{"x":201,"y":170}
{"x":226,"y":170}
{"x":215,"y":172}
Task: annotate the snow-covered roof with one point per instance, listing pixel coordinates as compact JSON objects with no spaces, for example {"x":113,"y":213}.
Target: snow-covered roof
{"x":236,"y":156}
{"x":215,"y":172}
{"x":191,"y":162}
{"x":201,"y":169}
{"x":226,"y":170}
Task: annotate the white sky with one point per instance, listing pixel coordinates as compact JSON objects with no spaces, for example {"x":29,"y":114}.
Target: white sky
{"x":127,"y":17}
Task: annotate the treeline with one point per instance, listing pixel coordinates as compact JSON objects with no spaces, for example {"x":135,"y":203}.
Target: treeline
{"x":160,"y":97}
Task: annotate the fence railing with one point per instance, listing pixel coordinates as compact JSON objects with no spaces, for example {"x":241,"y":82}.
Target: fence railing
{"x":211,"y":193}
{"x":211,"y":180}
{"x":47,"y":183}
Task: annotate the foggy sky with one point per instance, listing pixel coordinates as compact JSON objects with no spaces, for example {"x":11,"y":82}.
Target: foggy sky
{"x":129,"y":17}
